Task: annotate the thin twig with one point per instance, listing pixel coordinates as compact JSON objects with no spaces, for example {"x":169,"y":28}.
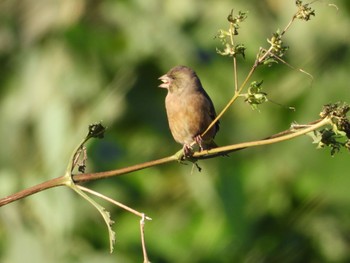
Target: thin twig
{"x":143,"y":242}
{"x":127,"y":208}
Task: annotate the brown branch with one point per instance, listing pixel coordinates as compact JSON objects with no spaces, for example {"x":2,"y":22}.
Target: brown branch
{"x":82,"y":178}
{"x":219,"y":151}
{"x":282,"y":136}
{"x":59,"y":181}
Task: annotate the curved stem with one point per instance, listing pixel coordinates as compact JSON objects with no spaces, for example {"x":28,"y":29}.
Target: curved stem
{"x":81,"y":178}
{"x":270,"y":140}
{"x":59,"y":181}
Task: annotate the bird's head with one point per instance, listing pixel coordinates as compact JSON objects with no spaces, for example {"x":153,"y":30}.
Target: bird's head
{"x":179,"y":79}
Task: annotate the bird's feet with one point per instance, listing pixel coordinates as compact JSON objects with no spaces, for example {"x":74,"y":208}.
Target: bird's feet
{"x":188,"y":150}
{"x":185,"y":153}
{"x":199,"y":140}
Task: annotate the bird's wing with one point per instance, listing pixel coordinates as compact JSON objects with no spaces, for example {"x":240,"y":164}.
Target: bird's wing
{"x":211,"y":110}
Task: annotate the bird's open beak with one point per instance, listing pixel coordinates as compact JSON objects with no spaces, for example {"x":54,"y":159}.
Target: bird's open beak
{"x":166,"y":81}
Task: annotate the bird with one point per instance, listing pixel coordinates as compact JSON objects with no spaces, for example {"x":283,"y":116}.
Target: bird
{"x":189,"y":109}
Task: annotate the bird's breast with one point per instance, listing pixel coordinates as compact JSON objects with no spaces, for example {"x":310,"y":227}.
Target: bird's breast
{"x":188,"y":116}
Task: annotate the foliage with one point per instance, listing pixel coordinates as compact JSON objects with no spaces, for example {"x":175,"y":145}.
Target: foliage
{"x":78,"y":62}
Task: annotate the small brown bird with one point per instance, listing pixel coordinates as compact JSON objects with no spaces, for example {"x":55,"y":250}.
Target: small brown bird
{"x":189,"y":108}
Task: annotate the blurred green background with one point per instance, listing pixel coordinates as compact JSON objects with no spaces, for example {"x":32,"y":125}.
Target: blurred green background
{"x":66,"y":64}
